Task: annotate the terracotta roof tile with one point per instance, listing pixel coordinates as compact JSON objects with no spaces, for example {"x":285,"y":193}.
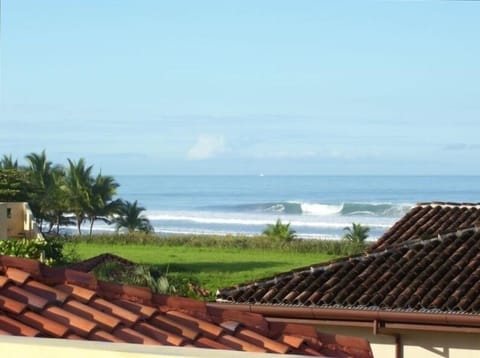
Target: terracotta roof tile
{"x":106,"y":321}
{"x":80,"y":293}
{"x":172,"y":325}
{"x":3,"y":280}
{"x":204,"y":342}
{"x":19,"y":294}
{"x":196,"y":323}
{"x":17,"y":328}
{"x":79,"y":325}
{"x":262,"y":341}
{"x":43,"y":324}
{"x":99,"y":335}
{"x":131,"y":336}
{"x":141,"y":310}
{"x":74,"y":337}
{"x":45,"y":291}
{"x":129,"y":293}
{"x":17,"y":275}
{"x":127,"y":317}
{"x":8,"y":304}
{"x":164,"y":337}
{"x":40,"y":301}
{"x":240,"y":344}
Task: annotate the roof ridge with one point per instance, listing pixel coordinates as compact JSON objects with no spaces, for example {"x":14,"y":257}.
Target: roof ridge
{"x":448,"y":204}
{"x":92,"y":262}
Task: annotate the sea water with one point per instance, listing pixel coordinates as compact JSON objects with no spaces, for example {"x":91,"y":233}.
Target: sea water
{"x":315,"y":206}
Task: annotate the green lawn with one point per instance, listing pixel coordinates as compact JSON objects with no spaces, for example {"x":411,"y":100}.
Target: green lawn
{"x":212,"y":267}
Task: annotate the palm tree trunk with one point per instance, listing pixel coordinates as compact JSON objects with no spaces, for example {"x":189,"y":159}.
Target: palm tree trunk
{"x":79,"y":223}
{"x":92,"y":220}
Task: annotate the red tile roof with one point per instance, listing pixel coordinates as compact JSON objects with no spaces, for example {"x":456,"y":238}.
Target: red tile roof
{"x":38,"y":301}
{"x":413,"y":268}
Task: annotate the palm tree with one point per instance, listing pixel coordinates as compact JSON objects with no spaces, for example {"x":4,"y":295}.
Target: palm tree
{"x":356,"y":233}
{"x":279,"y":231}
{"x":7,"y":162}
{"x":41,"y":173}
{"x":102,"y":207}
{"x":130,"y":218}
{"x":60,"y":202}
{"x":78,"y":184}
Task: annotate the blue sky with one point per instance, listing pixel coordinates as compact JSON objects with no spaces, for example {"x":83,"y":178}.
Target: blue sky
{"x":244,"y":87}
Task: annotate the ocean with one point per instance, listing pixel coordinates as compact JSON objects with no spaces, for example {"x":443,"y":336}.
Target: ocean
{"x":317,"y":207}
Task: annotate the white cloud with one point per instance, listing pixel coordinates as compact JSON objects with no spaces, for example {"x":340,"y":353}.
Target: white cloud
{"x":206,"y":147}
{"x":279,"y":154}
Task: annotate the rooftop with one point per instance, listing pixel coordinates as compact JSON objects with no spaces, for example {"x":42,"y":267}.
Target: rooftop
{"x":427,"y":220}
{"x":428,"y":262}
{"x":38,"y":301}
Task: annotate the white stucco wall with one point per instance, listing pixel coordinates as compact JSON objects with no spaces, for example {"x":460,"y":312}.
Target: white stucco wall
{"x":62,"y":348}
{"x":416,"y":343}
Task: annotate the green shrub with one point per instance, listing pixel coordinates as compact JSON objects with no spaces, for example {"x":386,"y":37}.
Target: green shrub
{"x":48,"y":250}
{"x":152,"y":277}
{"x":279,"y":231}
{"x":330,"y":247}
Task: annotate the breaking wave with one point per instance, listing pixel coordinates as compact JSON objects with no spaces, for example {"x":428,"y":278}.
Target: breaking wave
{"x":318,"y":209}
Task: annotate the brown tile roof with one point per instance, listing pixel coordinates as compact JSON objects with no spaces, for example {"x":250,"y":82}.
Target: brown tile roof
{"x":426,"y":220}
{"x":91,"y":263}
{"x":405,"y":271}
{"x":38,"y":301}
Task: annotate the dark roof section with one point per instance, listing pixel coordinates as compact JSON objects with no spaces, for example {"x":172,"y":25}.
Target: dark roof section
{"x":38,"y":301}
{"x":437,"y":275}
{"x":93,"y":262}
{"x":426,"y":220}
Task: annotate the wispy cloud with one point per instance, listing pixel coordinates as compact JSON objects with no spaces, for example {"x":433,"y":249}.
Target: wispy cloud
{"x":461,"y":146}
{"x":280,"y":154}
{"x":206,"y":147}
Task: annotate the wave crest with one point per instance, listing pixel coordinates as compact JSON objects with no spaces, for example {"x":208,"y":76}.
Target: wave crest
{"x":320,"y":209}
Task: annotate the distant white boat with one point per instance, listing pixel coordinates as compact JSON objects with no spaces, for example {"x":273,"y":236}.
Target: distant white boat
{"x":262,"y":175}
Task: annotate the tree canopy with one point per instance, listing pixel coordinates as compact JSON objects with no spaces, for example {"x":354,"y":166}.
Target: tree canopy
{"x":65,"y":195}
{"x":130,"y":217}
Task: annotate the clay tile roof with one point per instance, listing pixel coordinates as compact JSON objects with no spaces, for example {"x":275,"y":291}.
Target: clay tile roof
{"x":428,"y":262}
{"x":38,"y":301}
{"x":426,"y":220}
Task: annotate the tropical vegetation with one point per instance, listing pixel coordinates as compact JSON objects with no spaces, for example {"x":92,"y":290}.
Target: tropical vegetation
{"x":279,"y":231}
{"x":357,"y":233}
{"x":130,"y":218}
{"x":190,"y":264}
{"x":49,"y":250}
{"x":64,"y":195}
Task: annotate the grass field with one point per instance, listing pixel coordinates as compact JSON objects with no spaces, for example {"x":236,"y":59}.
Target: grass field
{"x":211,"y":267}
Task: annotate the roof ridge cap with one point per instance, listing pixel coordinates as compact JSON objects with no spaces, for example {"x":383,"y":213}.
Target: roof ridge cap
{"x":448,"y":204}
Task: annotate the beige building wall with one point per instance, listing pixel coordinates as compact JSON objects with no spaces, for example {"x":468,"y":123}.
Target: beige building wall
{"x":16,"y":220}
{"x":3,"y":221}
{"x":415,"y":343}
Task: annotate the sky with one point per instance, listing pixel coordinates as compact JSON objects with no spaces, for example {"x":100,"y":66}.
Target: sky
{"x":244,"y":87}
